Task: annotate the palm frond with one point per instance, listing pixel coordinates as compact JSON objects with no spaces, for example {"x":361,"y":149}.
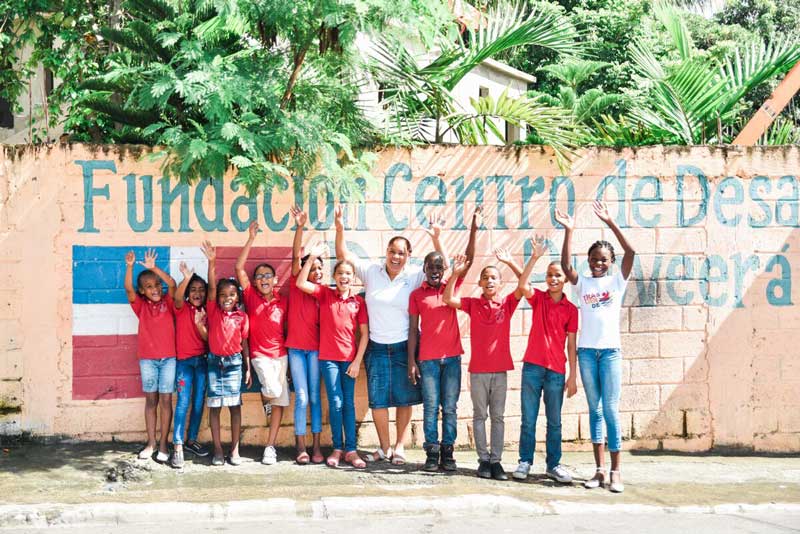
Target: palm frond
{"x":675,"y":23}
{"x":593,"y":103}
{"x":574,"y":71}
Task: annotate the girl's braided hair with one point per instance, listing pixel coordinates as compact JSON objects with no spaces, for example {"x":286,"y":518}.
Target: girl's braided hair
{"x":603,"y":244}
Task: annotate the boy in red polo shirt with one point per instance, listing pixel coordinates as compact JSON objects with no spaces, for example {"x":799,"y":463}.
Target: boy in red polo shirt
{"x":554,"y":324}
{"x":266,"y":311}
{"x":440,"y":352}
{"x":155,"y":342}
{"x":490,"y":358}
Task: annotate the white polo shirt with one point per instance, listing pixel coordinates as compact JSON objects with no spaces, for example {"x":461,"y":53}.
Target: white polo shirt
{"x":387,"y":299}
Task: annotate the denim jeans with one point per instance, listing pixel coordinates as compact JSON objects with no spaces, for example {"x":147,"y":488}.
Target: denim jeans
{"x":191,"y":387}
{"x":341,"y":403}
{"x":158,"y":375}
{"x":304,"y":366}
{"x":538,"y":382}
{"x":441,"y":386}
{"x":388,"y":385}
{"x":601,"y":373}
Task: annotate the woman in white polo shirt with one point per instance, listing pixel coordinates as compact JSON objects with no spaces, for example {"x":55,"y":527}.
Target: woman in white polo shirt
{"x":388,"y":285}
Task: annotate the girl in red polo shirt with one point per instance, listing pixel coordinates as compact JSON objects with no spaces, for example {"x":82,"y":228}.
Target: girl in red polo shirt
{"x":342,"y":313}
{"x":155,"y":342}
{"x":267,"y":311}
{"x":490,"y":355}
{"x":228,"y":328}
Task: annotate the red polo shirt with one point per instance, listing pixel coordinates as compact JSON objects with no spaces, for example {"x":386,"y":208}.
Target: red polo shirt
{"x":490,"y":330}
{"x":188,"y":341}
{"x":226,"y":330}
{"x":156,"y":335}
{"x":551,"y":323}
{"x":439,"y":337}
{"x":267,"y":323}
{"x":338,"y":321}
{"x":303,"y":331}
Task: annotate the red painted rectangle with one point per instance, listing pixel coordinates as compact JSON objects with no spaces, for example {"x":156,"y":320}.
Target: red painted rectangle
{"x":105,"y":367}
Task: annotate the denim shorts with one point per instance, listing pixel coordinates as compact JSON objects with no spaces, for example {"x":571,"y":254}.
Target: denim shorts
{"x":158,"y":376}
{"x":388,"y":385}
{"x":224,"y":380}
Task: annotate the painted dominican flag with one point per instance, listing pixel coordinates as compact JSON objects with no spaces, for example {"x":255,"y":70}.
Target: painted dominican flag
{"x":104,"y":362}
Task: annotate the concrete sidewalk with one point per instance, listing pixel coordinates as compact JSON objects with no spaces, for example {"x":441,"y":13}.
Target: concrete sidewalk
{"x":103,"y":483}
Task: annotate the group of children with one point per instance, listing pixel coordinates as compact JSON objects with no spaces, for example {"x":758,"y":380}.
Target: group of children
{"x":197,"y":338}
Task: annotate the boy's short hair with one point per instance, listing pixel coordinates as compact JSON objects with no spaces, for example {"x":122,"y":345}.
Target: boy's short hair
{"x":490,"y":267}
{"x":431,"y":256}
{"x":555,"y":264}
{"x":267,"y":265}
{"x":145,"y":274}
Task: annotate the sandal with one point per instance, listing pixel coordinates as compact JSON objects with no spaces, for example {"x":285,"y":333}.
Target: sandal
{"x":355,"y":460}
{"x":616,"y":486}
{"x":317,"y":458}
{"x":145,"y":454}
{"x":302,"y":458}
{"x":594,"y":482}
{"x":334,"y":459}
{"x":398,"y":458}
{"x":378,"y":455}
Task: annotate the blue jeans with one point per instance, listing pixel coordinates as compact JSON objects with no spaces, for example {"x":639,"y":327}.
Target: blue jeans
{"x":441,"y":385}
{"x":538,"y":382}
{"x":601,"y":373}
{"x":304,"y":366}
{"x":191,"y":386}
{"x":341,"y":403}
{"x":158,"y":375}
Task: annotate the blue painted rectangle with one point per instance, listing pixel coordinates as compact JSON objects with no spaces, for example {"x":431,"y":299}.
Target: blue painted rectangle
{"x":98,"y":273}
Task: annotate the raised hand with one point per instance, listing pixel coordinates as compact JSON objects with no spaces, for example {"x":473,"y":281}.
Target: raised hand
{"x":460,"y":264}
{"x":477,"y":216}
{"x":565,"y":219}
{"x":209,"y":250}
{"x":130,"y":258}
{"x":539,"y":249}
{"x":318,"y":249}
{"x":435,"y":225}
{"x":300,"y":217}
{"x":253,"y":229}
{"x":338,"y":217}
{"x":149,"y":259}
{"x":185,"y":270}
{"x":503,"y":255}
{"x":601,"y":210}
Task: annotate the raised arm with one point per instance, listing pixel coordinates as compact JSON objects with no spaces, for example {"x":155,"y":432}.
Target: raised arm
{"x":601,"y":210}
{"x":341,"y":249}
{"x":477,"y":220}
{"x":241,"y":273}
{"x":180,"y":292}
{"x":130,"y":291}
{"x":211,"y":253}
{"x":150,"y":263}
{"x":450,"y":296}
{"x":434,"y":229}
{"x":524,"y":283}
{"x":300,"y":219}
{"x":317,"y":250}
{"x":504,"y":256}
{"x":566,"y":249}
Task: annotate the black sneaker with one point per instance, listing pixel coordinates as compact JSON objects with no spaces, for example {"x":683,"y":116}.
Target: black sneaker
{"x":497,"y":471}
{"x":447,"y":462}
{"x":431,"y":458}
{"x":196,"y":449}
{"x":484,"y":469}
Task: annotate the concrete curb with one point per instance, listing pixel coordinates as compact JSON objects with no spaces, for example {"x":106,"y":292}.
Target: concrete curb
{"x":101,"y":514}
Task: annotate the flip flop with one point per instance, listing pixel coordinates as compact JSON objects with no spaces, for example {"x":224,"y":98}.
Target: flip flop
{"x":398,"y":458}
{"x":302,"y":458}
{"x":355,"y":460}
{"x":334,"y":459}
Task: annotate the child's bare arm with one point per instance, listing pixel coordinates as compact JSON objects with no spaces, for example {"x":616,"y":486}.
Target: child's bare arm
{"x":130,"y":291}
{"x":211,"y":253}
{"x":180,"y":292}
{"x":363,"y":341}
{"x":241,"y":274}
{"x":566,"y":249}
{"x":450,"y":296}
{"x":434,"y":229}
{"x":341,"y":249}
{"x":524,"y":284}
{"x":150,"y":263}
{"x":601,"y":210}
{"x":248,"y":378}
{"x":413,"y":339}
{"x":571,"y":386}
{"x":504,"y":256}
{"x":477,"y":220}
{"x":302,"y":283}
{"x":300,"y":219}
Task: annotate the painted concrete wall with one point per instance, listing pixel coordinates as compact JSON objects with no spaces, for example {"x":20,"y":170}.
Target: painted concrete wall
{"x":710,"y":328}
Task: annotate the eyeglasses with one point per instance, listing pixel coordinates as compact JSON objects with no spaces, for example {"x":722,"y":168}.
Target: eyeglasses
{"x":264,"y":276}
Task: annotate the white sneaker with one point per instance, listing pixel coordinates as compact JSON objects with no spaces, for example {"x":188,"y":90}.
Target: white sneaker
{"x":521,"y":473}
{"x":559,"y":474}
{"x":270,"y":455}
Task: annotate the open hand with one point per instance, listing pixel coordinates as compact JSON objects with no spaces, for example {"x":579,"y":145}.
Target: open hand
{"x":503,"y":255}
{"x":300,"y":217}
{"x":565,"y":219}
{"x":253,"y":229}
{"x":601,"y":210}
{"x":200,"y":317}
{"x":149,"y":259}
{"x":460,"y":264}
{"x":130,"y":258}
{"x":209,"y":250}
{"x":338,"y":217}
{"x":435,"y":225}
{"x":539,"y":249}
{"x":477,"y":216}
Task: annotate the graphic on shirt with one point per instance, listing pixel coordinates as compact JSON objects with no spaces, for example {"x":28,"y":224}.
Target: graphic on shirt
{"x":598,"y":300}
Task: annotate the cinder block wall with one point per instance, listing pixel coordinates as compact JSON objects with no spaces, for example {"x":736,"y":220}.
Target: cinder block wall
{"x":710,"y":326}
